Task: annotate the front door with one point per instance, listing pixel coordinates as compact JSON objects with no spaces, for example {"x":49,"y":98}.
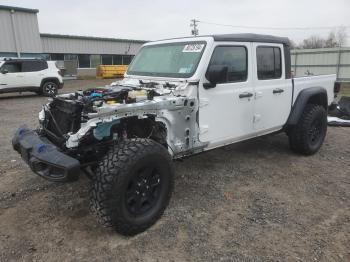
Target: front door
{"x":11,"y":75}
{"x":226,"y":111}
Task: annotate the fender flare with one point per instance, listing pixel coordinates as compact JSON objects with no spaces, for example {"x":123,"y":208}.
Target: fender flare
{"x":316,"y":95}
{"x":54,"y":79}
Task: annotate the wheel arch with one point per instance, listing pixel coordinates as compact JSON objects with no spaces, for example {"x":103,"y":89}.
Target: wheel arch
{"x":148,"y":126}
{"x":47,"y":79}
{"x":313,"y":95}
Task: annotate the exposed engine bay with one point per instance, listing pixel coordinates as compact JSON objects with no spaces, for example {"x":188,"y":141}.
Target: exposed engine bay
{"x":88,"y":120}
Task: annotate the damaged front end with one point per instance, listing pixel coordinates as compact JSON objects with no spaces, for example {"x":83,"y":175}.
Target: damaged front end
{"x":84,"y":124}
{"x":44,"y":158}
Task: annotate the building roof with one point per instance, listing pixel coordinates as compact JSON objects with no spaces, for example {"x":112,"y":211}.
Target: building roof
{"x":19,"y":9}
{"x":92,"y":38}
{"x":252,"y":38}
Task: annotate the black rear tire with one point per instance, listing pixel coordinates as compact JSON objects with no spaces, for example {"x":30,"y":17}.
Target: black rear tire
{"x":307,"y":136}
{"x":49,"y":88}
{"x":133,"y":186}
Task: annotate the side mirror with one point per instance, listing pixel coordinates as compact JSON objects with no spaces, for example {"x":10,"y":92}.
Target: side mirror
{"x":215,"y":74}
{"x":4,"y":71}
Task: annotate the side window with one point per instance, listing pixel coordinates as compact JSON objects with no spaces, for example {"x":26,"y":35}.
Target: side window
{"x":235,"y":58}
{"x":13,"y":67}
{"x":269,"y":62}
{"x":34,"y":66}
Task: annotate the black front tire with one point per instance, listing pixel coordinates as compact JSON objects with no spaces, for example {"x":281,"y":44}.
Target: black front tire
{"x":132,"y":186}
{"x":49,"y":89}
{"x":307,"y":136}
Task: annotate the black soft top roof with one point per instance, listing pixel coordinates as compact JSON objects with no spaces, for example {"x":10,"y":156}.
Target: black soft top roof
{"x":252,"y":38}
{"x":244,"y":38}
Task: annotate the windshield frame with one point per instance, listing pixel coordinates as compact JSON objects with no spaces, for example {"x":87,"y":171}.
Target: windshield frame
{"x":170,"y":75}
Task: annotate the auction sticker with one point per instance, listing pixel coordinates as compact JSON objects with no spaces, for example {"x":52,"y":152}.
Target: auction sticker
{"x":196,"y":48}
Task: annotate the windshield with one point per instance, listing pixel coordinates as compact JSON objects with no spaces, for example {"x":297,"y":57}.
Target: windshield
{"x":167,"y":60}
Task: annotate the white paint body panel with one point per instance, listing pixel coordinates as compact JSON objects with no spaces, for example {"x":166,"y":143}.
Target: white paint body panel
{"x":325,"y":81}
{"x":218,"y":120}
{"x":28,"y":79}
{"x":271,"y":109}
{"x":223,"y":117}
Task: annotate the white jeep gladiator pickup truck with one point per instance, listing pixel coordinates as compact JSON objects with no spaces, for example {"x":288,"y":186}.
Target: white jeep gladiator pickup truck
{"x":179,"y":97}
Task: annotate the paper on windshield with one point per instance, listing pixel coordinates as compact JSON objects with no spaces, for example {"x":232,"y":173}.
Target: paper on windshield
{"x":193,"y":48}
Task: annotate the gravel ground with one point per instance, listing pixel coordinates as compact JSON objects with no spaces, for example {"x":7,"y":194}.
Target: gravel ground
{"x":252,"y":201}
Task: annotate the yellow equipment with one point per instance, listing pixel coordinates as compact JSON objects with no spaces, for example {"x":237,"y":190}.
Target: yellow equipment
{"x":110,"y":71}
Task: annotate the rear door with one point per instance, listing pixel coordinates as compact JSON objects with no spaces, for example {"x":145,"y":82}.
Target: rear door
{"x":226,"y":111}
{"x":273,"y":92}
{"x":33,"y":72}
{"x":11,"y":76}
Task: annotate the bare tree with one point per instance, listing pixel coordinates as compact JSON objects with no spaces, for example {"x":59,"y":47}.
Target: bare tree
{"x":334,"y":39}
{"x":313,"y":42}
{"x":331,"y":41}
{"x":341,"y":36}
{"x":292,"y":44}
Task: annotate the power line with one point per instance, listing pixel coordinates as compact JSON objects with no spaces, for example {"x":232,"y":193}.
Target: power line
{"x":275,"y":28}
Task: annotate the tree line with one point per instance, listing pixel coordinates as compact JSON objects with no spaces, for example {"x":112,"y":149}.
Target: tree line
{"x":336,"y":38}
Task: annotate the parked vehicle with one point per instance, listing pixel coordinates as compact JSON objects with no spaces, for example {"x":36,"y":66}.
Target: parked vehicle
{"x":179,"y":97}
{"x":34,"y":75}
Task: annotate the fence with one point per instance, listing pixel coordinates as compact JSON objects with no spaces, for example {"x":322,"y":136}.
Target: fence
{"x":322,"y":61}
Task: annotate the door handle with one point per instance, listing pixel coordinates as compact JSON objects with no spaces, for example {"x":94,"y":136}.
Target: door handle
{"x":277,"y":91}
{"x":245,"y":95}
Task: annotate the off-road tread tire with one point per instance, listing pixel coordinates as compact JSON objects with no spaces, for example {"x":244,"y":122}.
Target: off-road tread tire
{"x":110,"y":173}
{"x":298,"y":140}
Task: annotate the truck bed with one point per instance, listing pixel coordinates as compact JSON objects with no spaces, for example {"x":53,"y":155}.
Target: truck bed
{"x":325,"y":81}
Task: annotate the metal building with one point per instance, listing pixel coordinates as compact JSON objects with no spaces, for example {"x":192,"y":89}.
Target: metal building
{"x":19,"y":31}
{"x":322,"y":61}
{"x":20,"y":37}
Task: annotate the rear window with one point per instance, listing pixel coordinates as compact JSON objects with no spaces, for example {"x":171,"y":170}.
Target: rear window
{"x":269,"y":62}
{"x":33,"y":66}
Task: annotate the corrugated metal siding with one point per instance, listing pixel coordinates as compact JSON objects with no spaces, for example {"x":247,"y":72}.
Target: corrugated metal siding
{"x":86,"y":46}
{"x":7,"y":42}
{"x":304,"y":70}
{"x":322,"y":61}
{"x":30,"y":41}
{"x":344,"y":73}
{"x":345,"y":58}
{"x":27,"y":29}
{"x":28,"y":32}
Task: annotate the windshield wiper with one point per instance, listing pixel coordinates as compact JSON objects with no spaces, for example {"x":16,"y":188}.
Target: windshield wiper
{"x":150,"y":84}
{"x":153,"y":84}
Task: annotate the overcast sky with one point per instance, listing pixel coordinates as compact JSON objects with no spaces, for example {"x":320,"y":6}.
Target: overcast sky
{"x":156,"y":19}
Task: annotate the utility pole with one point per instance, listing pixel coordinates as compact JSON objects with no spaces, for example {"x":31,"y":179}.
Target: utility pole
{"x":194,"y":24}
